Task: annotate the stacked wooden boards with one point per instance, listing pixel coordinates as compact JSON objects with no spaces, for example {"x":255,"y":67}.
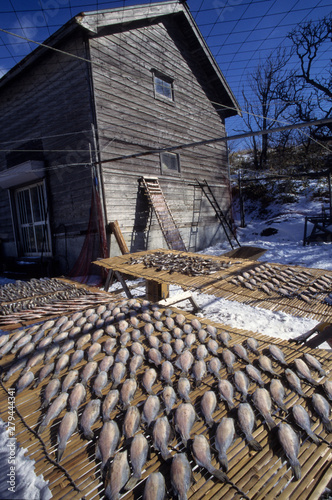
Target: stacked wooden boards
{"x":225,"y":283}
{"x":263,"y":474}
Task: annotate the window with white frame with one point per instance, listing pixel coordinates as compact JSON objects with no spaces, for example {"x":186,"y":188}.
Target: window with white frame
{"x":32,"y":220}
{"x":163,"y":86}
{"x":170,"y":163}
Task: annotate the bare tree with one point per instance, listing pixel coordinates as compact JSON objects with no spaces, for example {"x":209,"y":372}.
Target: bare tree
{"x":309,"y":87}
{"x":261,"y":105}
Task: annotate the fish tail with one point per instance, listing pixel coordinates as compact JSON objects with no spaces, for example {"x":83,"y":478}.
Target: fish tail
{"x":314,"y":437}
{"x":41,"y":428}
{"x":296,"y":468}
{"x":219,"y":474}
{"x":270,"y":422}
{"x":230,"y":369}
{"x":254,"y":444}
{"x":223,"y":461}
{"x":61,"y":449}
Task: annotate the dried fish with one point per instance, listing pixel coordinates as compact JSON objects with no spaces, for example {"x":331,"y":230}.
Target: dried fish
{"x":223,"y":439}
{"x":277,"y":354}
{"x":199,"y":371}
{"x":131,"y":422}
{"x":88,"y":371}
{"x":155,"y":488}
{"x":122,"y":355}
{"x":262,"y":401}
{"x":181,"y":475}
{"x":254,"y":374}
{"x":241,"y":352}
{"x":109,"y":403}
{"x":105,"y":364}
{"x":203,"y":458}
{"x":327,"y":386}
{"x":252,"y":345}
{"x":224,"y":337}
{"x":66,"y":429}
{"x":107,"y":443}
{"x":314,"y":363}
{"x":99,"y":383}
{"x":77,"y":396}
{"x":229,"y":360}
{"x":54,"y":410}
{"x":302,"y":419}
{"x":167,"y":351}
{"x":291,"y":445}
{"x":323,"y":410}
{"x":76,"y":358}
{"x":169,"y":398}
{"x":44,"y":372}
{"x":185,"y":362}
{"x":184,"y":419}
{"x":161,"y":435}
{"x":127,"y":392}
{"x":24,"y":381}
{"x":303,"y":371}
{"x":117,"y":476}
{"x":226,"y":392}
{"x":241,"y":383}
{"x":277,"y":392}
{"x":213,"y":346}
{"x":246,"y":420}
{"x":214,"y":367}
{"x":108,"y":346}
{"x":154,"y":356}
{"x":89,"y":416}
{"x":51,"y":390}
{"x":149,"y":378}
{"x":61,"y":364}
{"x":208,"y":406}
{"x":151,"y":408}
{"x":178,"y":346}
{"x":18,"y":366}
{"x":184,"y":388}
{"x":69,"y":380}
{"x":266,"y":365}
{"x":139,"y":449}
{"x":294,"y":381}
{"x":118,"y":372}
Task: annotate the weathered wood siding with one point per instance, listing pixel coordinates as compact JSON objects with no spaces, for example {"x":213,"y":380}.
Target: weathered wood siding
{"x":131,"y":120}
{"x":51,"y":100}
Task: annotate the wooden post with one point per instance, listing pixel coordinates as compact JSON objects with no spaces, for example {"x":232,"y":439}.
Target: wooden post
{"x":243,"y":224}
{"x":115,"y":229}
{"x":156,"y":291}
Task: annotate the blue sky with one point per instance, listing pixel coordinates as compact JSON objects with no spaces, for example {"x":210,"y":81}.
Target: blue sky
{"x":240,"y":33}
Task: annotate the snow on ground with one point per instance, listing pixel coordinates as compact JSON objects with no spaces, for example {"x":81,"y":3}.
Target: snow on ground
{"x":18,"y":480}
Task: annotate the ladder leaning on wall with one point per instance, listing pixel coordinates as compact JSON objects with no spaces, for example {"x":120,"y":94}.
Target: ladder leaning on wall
{"x":221,"y":216}
{"x":166,"y":221}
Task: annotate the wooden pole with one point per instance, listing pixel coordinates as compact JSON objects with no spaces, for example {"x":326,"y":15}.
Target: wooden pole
{"x":243,"y":224}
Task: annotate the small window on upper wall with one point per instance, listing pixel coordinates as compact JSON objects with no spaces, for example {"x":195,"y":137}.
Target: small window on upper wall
{"x":163,"y":86}
{"x":170,"y":163}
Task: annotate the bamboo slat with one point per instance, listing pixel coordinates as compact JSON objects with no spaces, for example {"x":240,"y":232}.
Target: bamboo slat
{"x":264,"y":474}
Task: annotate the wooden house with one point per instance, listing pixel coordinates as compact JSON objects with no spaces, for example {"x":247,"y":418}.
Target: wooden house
{"x":101,"y":102}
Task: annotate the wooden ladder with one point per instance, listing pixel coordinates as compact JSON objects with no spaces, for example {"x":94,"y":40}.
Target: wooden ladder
{"x":167,"y":223}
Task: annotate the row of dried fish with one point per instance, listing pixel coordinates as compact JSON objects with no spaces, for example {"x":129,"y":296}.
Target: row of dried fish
{"x":125,"y":339}
{"x":180,"y":263}
{"x":285,"y":282}
{"x":24,"y":289}
{"x":53,"y":308}
{"x":40,"y":300}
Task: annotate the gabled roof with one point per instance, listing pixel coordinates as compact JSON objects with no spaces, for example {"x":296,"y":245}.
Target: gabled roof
{"x":96,"y":21}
